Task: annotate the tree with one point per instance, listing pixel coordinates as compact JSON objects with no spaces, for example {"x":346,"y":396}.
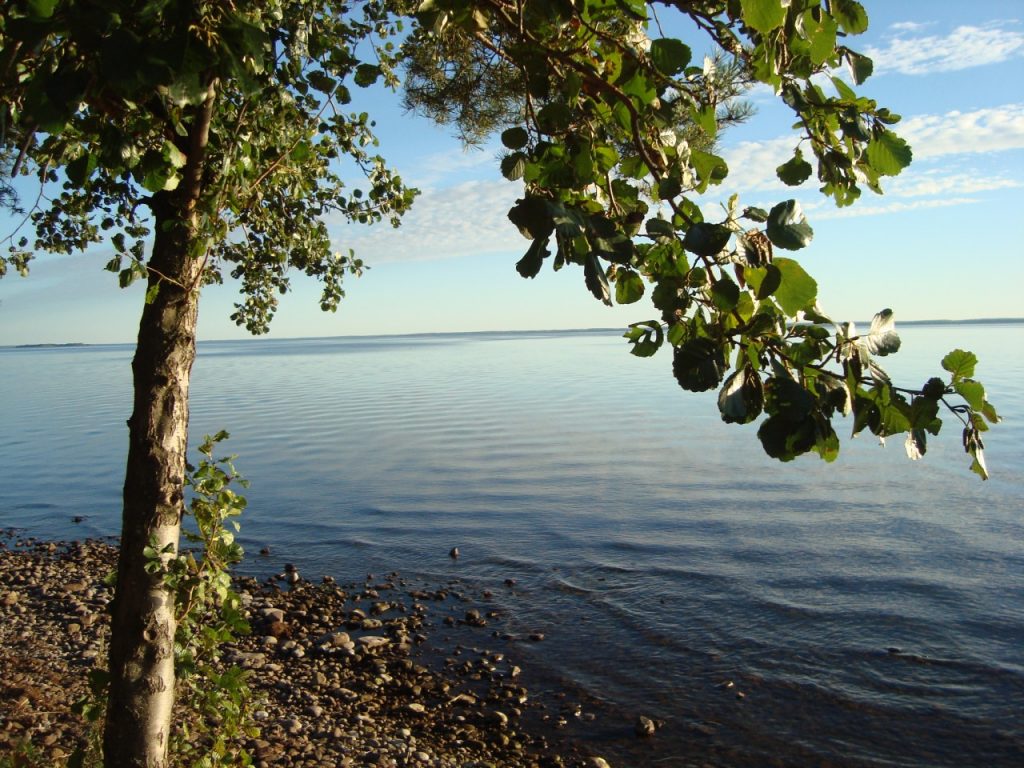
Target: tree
{"x":612,"y":177}
{"x":217,"y":130}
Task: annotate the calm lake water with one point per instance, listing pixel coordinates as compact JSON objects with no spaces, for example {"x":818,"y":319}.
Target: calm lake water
{"x":871,"y":610}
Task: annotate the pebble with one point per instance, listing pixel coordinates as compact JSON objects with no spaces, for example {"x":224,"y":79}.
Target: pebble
{"x":330,"y":697}
{"x":644,"y":726}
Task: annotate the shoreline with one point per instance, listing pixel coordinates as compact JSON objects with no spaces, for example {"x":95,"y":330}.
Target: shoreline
{"x":351,"y":675}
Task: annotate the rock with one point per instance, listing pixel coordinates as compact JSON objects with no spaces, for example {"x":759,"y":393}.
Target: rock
{"x":9,"y":598}
{"x":644,"y":726}
{"x":498,"y":717}
{"x":599,"y":762}
{"x":454,"y":553}
{"x":272,"y":614}
{"x":372,"y":641}
{"x":277,"y":629}
{"x":536,"y":636}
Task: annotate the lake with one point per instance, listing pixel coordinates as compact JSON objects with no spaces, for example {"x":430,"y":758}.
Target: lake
{"x":870,"y":611}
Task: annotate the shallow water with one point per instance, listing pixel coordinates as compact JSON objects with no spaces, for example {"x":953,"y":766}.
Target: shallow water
{"x":871,"y":610}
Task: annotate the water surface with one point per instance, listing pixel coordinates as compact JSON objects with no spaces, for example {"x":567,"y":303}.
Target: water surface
{"x":871,"y":611}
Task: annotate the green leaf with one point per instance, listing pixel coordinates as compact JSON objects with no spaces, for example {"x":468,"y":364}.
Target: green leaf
{"x":659,"y":228}
{"x":882,"y":338}
{"x":706,"y":239}
{"x":725,"y":294}
{"x":797,"y":290}
{"x":850,"y":15}
{"x":699,"y":364}
{"x":822,"y":38}
{"x":764,"y":281}
{"x":530,"y":264}
{"x":515,"y":138}
{"x":367,"y":74}
{"x":861,"y":68}
{"x":888,"y":154}
{"x":321,"y":81}
{"x":788,"y":227}
{"x":513,"y":166}
{"x":763,"y":15}
{"x":668,"y":188}
{"x":629,"y":287}
{"x":989,"y":412}
{"x":126,"y":277}
{"x":785,"y":439}
{"x":79,"y":169}
{"x":960,"y":363}
{"x":973,"y":392}
{"x":173,"y":155}
{"x":706,"y":118}
{"x":41,"y":9}
{"x":974,"y":447}
{"x":742,"y":397}
{"x":554,"y":118}
{"x":760,"y":215}
{"x":710,"y":168}
{"x":596,"y":280}
{"x":532,"y":217}
{"x":795,"y":171}
{"x":646,"y":338}
{"x":670,"y":56}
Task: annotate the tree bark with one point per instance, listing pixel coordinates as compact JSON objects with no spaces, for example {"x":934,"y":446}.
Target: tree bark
{"x":141,"y":693}
{"x":140,"y":699}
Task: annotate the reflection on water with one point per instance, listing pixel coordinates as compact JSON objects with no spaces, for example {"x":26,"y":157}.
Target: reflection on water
{"x":871,"y":611}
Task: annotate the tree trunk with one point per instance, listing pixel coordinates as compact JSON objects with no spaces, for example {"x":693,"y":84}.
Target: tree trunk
{"x":143,"y":623}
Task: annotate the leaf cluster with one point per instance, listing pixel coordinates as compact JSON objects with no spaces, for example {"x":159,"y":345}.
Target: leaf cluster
{"x":226,"y":120}
{"x":214,"y":701}
{"x":611,"y":185}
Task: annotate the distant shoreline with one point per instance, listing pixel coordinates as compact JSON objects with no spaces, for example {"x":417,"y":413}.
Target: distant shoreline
{"x":434,"y":334}
{"x":48,"y":346}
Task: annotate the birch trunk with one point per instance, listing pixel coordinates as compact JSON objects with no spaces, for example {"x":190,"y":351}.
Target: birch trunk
{"x":142,"y":644}
{"x":141,"y":695}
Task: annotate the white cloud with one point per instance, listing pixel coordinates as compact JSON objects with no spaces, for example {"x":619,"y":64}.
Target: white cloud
{"x":897,"y":206}
{"x":963,"y":48}
{"x":910,"y":26}
{"x":443,"y":165}
{"x":938,"y":182}
{"x":752,"y":164}
{"x":470,"y":218}
{"x":983,"y":130}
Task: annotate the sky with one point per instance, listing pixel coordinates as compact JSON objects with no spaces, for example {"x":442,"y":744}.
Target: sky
{"x":946,"y":241}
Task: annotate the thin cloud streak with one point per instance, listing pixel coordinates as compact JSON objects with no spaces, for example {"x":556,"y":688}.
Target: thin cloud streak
{"x":470,"y":218}
{"x":752,"y":164}
{"x":467,"y":219}
{"x":997,"y":129}
{"x":890,"y":208}
{"x":964,"y":48}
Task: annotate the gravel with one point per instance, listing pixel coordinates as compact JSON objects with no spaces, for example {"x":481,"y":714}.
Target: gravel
{"x":346,"y":675}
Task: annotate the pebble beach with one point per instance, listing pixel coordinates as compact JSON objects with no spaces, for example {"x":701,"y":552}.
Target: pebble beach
{"x":381,"y":673}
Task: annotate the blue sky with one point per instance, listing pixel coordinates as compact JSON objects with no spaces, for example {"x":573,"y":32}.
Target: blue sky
{"x":945,"y":241}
